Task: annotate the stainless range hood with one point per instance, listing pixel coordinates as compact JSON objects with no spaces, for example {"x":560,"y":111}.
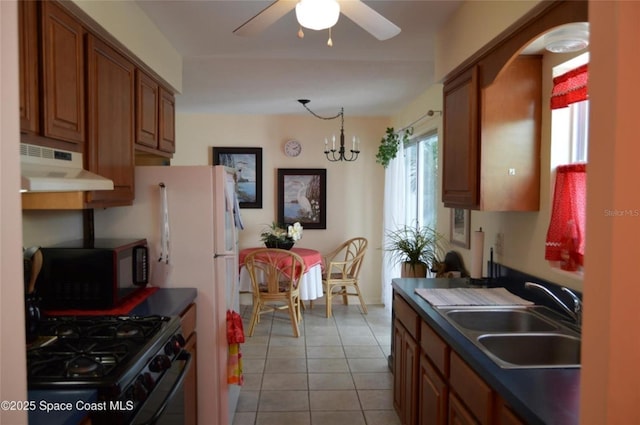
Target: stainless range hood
{"x":54,"y":170}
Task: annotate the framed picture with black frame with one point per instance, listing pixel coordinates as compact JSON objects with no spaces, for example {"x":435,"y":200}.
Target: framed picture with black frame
{"x":302,"y":197}
{"x":248,"y":164}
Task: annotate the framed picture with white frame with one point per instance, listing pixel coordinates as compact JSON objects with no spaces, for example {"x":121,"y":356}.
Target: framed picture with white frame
{"x":460,"y":233}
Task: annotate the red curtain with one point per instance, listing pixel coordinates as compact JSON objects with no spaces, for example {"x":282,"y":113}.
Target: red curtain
{"x":570,"y":87}
{"x":566,"y":234}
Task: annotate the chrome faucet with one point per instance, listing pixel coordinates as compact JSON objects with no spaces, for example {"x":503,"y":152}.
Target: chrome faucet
{"x":575,"y":313}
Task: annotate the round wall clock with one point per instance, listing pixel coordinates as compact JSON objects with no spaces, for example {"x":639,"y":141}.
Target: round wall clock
{"x":292,"y":148}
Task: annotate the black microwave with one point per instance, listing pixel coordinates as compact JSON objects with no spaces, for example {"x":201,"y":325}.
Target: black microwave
{"x":92,"y":274}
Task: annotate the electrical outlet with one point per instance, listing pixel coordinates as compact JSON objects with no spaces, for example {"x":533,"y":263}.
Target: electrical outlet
{"x":512,"y":171}
{"x":499,"y":244}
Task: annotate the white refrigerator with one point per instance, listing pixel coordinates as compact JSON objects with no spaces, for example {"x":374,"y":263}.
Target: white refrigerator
{"x":190,"y":228}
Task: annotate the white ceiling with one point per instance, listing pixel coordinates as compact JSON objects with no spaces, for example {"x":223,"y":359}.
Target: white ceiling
{"x":266,"y":74}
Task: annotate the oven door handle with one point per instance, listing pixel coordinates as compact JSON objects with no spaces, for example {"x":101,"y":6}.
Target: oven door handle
{"x":187,"y":358}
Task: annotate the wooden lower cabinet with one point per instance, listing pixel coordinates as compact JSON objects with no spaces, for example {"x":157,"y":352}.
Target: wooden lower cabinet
{"x":505,"y":415}
{"x":188,"y":319}
{"x":406,"y":332}
{"x":405,"y":374}
{"x":472,"y":390}
{"x":433,"y":397}
{"x":433,"y":385}
{"x":458,"y":413}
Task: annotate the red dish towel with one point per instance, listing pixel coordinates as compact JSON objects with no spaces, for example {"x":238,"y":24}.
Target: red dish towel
{"x":127,"y":305}
{"x":235,"y":331}
{"x":235,"y":336}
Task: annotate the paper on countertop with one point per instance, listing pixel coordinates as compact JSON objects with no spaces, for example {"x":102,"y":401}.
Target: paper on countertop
{"x":470,"y":296}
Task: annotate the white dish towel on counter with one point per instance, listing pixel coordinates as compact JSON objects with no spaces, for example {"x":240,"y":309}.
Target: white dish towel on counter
{"x":470,"y":296}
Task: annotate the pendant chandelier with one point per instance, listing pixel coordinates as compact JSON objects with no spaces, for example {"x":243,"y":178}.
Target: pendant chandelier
{"x":339,"y":154}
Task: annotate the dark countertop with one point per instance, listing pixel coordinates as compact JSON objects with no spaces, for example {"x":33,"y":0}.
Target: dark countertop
{"x":164,"y":302}
{"x":538,"y":396}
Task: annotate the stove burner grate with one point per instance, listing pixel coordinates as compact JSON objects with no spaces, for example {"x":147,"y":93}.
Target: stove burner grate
{"x":84,"y":367}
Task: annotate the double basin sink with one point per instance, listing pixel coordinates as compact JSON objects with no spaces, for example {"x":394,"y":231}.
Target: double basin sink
{"x":518,"y":336}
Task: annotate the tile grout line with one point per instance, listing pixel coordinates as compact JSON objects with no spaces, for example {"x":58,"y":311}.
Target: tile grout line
{"x":308,"y":321}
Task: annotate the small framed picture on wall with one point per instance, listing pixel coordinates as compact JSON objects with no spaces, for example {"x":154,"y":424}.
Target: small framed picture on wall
{"x":460,"y":233}
{"x":248,"y":164}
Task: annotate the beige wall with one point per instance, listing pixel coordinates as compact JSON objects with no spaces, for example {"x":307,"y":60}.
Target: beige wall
{"x":354,"y":190}
{"x":471,"y":27}
{"x":13,"y":377}
{"x":128,"y":24}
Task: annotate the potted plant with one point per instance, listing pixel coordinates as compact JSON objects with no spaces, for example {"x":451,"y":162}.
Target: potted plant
{"x":388,"y":148}
{"x":276,"y":236}
{"x":417,"y":249}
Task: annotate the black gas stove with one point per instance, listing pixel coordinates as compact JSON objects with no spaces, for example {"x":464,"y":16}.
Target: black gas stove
{"x":128,"y":360}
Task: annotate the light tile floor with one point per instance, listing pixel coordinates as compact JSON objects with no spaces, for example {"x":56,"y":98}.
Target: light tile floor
{"x":335,"y":373}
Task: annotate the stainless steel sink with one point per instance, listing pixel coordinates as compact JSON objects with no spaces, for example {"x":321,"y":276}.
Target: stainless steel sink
{"x":501,"y":320}
{"x":533,"y":349}
{"x":518,"y":336}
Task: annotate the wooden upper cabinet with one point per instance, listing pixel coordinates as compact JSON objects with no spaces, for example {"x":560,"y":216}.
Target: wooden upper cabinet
{"x":510,"y":138}
{"x":111,"y":122}
{"x":155,"y":115}
{"x":147,"y":107}
{"x":460,"y":173}
{"x":492,"y":117}
{"x":167,"y":142}
{"x":29,"y":64}
{"x":492,"y":139}
{"x":63,"y":75}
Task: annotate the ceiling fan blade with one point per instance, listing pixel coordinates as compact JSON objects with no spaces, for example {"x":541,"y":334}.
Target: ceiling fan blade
{"x":370,"y":20}
{"x":266,"y":17}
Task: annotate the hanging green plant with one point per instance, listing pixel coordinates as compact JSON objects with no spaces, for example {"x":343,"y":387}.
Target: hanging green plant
{"x":388,"y":148}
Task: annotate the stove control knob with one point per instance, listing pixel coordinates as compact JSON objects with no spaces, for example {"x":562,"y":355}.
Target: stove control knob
{"x":159,"y":363}
{"x":148,"y":381}
{"x":140,"y":392}
{"x":180,"y":340}
{"x":174,"y":345}
{"x":168,"y":348}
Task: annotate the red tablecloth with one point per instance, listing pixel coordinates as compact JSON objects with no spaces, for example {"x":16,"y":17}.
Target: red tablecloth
{"x":311,"y":257}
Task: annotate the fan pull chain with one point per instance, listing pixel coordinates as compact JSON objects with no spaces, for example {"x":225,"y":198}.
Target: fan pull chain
{"x":330,"y":42}
{"x":300,"y":33}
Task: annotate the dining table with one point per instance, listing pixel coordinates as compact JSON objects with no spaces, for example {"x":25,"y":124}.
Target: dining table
{"x":310,"y":282}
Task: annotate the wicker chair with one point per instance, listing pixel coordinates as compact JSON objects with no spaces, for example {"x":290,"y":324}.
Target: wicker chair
{"x":341,"y":270}
{"x":275,"y":274}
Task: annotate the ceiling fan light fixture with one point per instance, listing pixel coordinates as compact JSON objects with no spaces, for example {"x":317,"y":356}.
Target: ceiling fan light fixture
{"x":317,"y":14}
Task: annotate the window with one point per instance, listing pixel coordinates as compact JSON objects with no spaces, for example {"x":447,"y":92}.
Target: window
{"x":565,"y":240}
{"x":579,"y":131}
{"x":570,"y":134}
{"x":570,"y":125}
{"x":421,"y":170}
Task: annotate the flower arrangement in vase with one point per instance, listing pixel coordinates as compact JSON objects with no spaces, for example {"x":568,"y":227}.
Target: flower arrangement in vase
{"x":276,"y":236}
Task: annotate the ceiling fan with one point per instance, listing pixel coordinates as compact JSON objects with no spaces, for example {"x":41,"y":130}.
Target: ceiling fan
{"x":306,"y":10}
